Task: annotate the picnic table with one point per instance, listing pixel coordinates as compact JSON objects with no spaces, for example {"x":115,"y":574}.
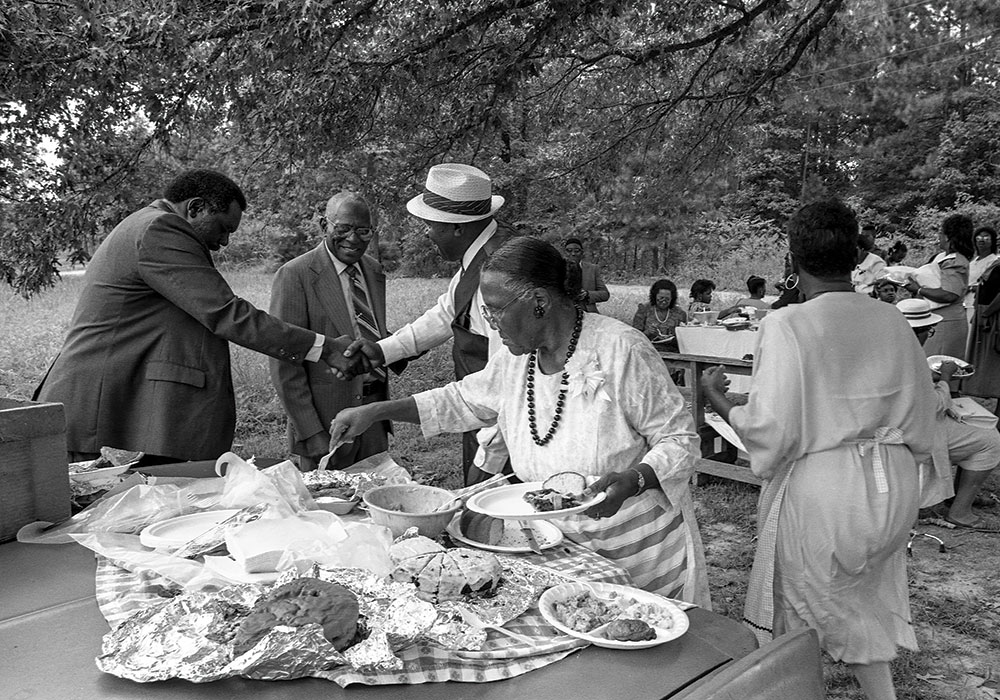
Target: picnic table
{"x":718,"y":455}
{"x":55,"y":603}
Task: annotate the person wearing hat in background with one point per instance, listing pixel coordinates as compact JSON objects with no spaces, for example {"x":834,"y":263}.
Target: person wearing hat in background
{"x":334,"y":289}
{"x":756,"y":286}
{"x":457,"y":206}
{"x":584,"y":277}
{"x":973,"y":449}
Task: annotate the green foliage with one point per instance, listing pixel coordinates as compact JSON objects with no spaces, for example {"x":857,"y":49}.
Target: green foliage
{"x":596,"y":98}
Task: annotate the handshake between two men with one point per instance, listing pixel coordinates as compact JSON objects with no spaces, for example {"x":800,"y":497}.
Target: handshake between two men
{"x":349,"y":357}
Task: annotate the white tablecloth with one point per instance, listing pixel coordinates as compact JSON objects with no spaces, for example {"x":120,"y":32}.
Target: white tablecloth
{"x":717,"y":341}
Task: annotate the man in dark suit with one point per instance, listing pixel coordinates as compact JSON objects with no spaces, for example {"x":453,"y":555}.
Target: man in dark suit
{"x":145,"y":365}
{"x":334,"y":289}
{"x":584,"y":277}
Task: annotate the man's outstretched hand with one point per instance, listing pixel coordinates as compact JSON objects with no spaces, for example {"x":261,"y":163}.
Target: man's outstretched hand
{"x":343,"y":357}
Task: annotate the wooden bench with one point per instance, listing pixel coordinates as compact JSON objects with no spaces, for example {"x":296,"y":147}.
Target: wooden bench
{"x":717,"y":460}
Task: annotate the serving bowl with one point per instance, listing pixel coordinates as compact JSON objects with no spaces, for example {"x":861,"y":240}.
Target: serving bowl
{"x":402,"y":506}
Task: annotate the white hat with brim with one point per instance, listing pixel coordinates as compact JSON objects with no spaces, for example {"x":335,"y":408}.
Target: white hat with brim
{"x":917,"y":312}
{"x":455,"y":194}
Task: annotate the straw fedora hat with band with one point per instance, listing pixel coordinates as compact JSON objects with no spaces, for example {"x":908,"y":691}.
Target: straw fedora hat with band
{"x":455,"y":194}
{"x":917,"y":312}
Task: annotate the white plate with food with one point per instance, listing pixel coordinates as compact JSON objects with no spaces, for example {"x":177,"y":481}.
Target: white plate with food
{"x":735,"y":323}
{"x":176,"y":532}
{"x":511,"y":540}
{"x":560,"y":495}
{"x":574,"y":607}
{"x":964,"y":368}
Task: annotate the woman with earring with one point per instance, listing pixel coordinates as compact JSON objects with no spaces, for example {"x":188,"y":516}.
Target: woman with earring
{"x":835,"y":426}
{"x":788,"y":288}
{"x":955,"y":241}
{"x":582,"y":392}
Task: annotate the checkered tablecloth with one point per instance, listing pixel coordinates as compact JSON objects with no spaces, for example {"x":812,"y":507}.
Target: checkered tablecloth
{"x":121,"y":592}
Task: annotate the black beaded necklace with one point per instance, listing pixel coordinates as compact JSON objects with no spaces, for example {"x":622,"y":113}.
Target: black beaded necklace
{"x":563,"y":386}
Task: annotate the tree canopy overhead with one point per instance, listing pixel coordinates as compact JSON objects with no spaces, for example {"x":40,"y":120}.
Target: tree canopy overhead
{"x":638,"y":121}
{"x":547,"y":87}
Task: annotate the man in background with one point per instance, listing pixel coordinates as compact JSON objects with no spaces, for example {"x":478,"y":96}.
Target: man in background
{"x":583,"y":278}
{"x":457,"y":207}
{"x":145,"y":365}
{"x":334,"y":289}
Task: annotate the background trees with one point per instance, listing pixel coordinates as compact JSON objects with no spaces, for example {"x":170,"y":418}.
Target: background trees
{"x":657,"y":130}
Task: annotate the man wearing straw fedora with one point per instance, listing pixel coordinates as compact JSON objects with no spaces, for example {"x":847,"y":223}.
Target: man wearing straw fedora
{"x":457,"y":206}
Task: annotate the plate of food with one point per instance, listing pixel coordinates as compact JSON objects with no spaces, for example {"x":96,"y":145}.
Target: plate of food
{"x":612,"y":616}
{"x":735,"y":323}
{"x":498,"y":535}
{"x":176,"y":532}
{"x":560,"y":495}
{"x":897,"y":274}
{"x":964,"y":368}
{"x":664,"y":339}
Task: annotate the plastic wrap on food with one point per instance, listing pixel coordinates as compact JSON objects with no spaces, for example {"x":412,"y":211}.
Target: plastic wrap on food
{"x":215,"y":536}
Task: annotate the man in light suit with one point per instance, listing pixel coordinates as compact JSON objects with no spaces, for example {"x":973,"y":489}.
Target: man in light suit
{"x":145,"y":365}
{"x":585,"y":277}
{"x":457,"y":206}
{"x":317,"y":291}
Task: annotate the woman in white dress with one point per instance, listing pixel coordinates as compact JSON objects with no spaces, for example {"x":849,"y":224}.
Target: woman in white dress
{"x":835,"y":425}
{"x":581,"y":392}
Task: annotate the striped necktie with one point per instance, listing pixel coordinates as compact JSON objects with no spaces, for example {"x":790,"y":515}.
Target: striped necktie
{"x":363,"y":313}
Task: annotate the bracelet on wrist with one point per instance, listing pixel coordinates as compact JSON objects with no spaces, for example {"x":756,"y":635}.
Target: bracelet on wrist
{"x":641,"y":483}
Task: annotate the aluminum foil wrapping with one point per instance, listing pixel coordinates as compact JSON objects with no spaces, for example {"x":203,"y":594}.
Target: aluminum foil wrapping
{"x":190,"y":636}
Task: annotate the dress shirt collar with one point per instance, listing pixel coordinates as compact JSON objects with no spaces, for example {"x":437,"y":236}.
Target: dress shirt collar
{"x":477,"y":244}
{"x":339,"y":265}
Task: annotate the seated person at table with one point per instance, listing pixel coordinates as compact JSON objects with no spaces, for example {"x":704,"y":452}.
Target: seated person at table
{"x":658,"y":320}
{"x":973,"y":449}
{"x":756,"y":286}
{"x":701,"y":296}
{"x":576,"y":391}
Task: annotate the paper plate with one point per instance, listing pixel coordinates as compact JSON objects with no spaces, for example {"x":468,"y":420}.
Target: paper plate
{"x":513,"y":541}
{"x":96,"y":475}
{"x":178,"y":531}
{"x":678,"y":620}
{"x":507,"y":502}
{"x":964,"y":368}
{"x":897,"y":274}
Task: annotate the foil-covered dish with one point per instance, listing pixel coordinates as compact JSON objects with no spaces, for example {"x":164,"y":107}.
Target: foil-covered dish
{"x":308,"y":623}
{"x":348,"y":486}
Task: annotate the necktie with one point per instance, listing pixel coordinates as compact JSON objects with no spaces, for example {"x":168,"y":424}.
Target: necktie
{"x":363,"y":313}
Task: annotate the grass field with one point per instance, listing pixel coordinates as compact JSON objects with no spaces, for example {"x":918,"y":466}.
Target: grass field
{"x":955,"y":595}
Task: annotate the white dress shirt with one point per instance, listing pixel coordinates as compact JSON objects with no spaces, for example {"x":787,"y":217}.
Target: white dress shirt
{"x":434,"y":326}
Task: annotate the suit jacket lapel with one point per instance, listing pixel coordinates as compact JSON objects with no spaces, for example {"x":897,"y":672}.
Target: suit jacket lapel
{"x":326,"y":286}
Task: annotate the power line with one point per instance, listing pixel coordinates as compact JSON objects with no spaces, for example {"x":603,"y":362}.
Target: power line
{"x":988,"y":34}
{"x":984,"y":49}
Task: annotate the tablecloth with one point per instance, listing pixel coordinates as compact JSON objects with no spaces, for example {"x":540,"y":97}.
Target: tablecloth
{"x":121,"y":592}
{"x":717,"y":341}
